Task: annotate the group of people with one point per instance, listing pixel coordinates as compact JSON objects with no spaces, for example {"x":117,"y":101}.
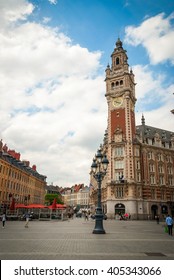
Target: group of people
{"x":169,"y":221}
{"x":4,"y":218}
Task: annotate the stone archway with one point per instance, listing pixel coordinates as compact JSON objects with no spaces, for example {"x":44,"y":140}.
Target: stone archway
{"x":119,"y":209}
{"x":154,"y":211}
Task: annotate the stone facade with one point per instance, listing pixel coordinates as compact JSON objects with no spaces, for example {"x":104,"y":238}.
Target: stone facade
{"x":18,"y":180}
{"x":140,"y":175}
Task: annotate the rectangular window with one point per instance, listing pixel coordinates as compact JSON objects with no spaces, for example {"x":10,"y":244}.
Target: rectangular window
{"x":152,"y":179}
{"x":150,"y":155}
{"x":160,"y":168}
{"x":170,"y":179}
{"x":160,"y":157}
{"x":161,"y":180}
{"x":119,"y":175}
{"x":119,"y":164}
{"x":151,"y":167}
{"x":137,"y":152}
{"x":138,"y":165}
{"x":119,"y":192}
{"x":138,"y":176}
{"x":153,"y":195}
{"x":169,"y":159}
{"x":119,"y":151}
{"x":170,"y":170}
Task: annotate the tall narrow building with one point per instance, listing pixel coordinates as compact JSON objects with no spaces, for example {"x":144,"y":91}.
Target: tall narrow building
{"x":128,"y":186}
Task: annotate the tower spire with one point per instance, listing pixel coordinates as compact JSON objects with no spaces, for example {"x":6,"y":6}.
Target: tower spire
{"x":119,"y":44}
{"x":143,"y":120}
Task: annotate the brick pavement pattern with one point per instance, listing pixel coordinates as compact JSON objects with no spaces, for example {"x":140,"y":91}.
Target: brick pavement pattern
{"x":73,"y":240}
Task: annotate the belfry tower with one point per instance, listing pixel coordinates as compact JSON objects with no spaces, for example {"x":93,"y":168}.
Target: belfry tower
{"x":120,"y":95}
{"x":140,"y":175}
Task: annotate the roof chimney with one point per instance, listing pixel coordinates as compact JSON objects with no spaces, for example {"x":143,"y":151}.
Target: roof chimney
{"x":34,"y":167}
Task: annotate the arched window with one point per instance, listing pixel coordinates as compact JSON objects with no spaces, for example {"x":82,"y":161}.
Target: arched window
{"x":117,"y":83}
{"x":112,"y":85}
{"x":121,"y":82}
{"x":117,"y":60}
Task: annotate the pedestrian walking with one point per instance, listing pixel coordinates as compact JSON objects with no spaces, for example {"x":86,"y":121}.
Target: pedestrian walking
{"x":3,"y":220}
{"x":169,"y":223}
{"x":27,"y":217}
{"x":86,"y":216}
{"x":157,"y":219}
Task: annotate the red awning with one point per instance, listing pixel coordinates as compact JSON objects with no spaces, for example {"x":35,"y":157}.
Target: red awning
{"x":12,"y":206}
{"x":57,"y":206}
{"x":53,"y":206}
{"x":20,"y":205}
{"x":30,"y":206}
{"x":60,"y":205}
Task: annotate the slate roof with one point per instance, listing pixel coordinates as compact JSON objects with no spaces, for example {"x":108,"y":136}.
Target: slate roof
{"x":149,"y":132}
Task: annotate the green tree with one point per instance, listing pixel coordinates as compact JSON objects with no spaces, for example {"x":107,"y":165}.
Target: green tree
{"x":49,"y":197}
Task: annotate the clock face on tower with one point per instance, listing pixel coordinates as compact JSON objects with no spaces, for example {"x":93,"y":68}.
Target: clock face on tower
{"x":117,"y":102}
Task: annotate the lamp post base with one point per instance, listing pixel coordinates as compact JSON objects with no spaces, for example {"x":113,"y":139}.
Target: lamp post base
{"x":99,"y":224}
{"x":98,"y":231}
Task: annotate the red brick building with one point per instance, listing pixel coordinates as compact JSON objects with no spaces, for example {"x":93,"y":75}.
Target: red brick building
{"x":140,"y":176}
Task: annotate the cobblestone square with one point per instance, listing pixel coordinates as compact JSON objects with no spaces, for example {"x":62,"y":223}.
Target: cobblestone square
{"x":73,"y":240}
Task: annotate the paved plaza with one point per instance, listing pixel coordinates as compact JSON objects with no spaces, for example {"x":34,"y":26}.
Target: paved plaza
{"x":73,"y":240}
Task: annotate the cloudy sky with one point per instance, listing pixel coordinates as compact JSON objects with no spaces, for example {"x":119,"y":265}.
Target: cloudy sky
{"x":53,"y":56}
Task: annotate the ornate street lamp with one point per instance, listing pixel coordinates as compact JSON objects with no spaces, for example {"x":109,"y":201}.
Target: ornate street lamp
{"x":98,"y":170}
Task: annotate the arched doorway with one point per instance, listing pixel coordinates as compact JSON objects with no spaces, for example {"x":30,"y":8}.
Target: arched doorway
{"x":119,"y":209}
{"x":154,"y":211}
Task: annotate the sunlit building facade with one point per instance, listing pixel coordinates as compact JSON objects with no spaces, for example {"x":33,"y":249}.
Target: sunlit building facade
{"x":18,"y":180}
{"x":140,"y":175}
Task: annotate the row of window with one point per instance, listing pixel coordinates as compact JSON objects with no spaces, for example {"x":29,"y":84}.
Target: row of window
{"x":159,"y":156}
{"x":158,"y":143}
{"x":160,"y":168}
{"x":153,"y":180}
{"x":119,"y":164}
{"x":119,"y":176}
{"x":119,"y":151}
{"x":120,"y":193}
{"x":4,"y":183}
{"x":15,"y":175}
{"x":116,"y":84}
{"x":4,"y":196}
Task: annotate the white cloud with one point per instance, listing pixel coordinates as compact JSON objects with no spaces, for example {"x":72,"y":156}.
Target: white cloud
{"x":13,"y":10}
{"x":154,"y":99}
{"x":53,"y":108}
{"x":46,"y":20}
{"x":54,"y":2}
{"x":49,"y":97}
{"x":147,"y":82}
{"x":153,"y":89}
{"x":156,"y":34}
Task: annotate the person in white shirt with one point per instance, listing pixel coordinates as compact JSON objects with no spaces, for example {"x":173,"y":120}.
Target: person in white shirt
{"x":3,"y":220}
